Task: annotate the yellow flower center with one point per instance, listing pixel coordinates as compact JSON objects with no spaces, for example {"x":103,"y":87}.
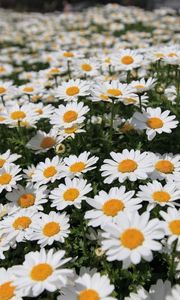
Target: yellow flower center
{"x":41,"y":272}
{"x":71,"y":194}
{"x":127,"y":60}
{"x":161,"y":196}
{"x":2,"y":162}
{"x":39,"y":111}
{"x":86,"y":67}
{"x":127,"y":166}
{"x":159,"y":55}
{"x":2,"y":69}
{"x":174,"y":226}
{"x":28,"y":89}
{"x":126,"y":127}
{"x":49,"y":172}
{"x":17,"y":115}
{"x":54,"y":70}
{"x":7,"y":291}
{"x":132,"y":238}
{"x":88,"y":294}
{"x":51,"y":228}
{"x":26,"y":200}
{"x":5,"y":178}
{"x":164,"y":166}
{"x":2,"y":119}
{"x":130,"y":100}
{"x":172,"y":54}
{"x":22,"y":223}
{"x":70,"y":129}
{"x":155,"y":123}
{"x":68,"y":54}
{"x":70,"y":116}
{"x":103,"y":97}
{"x":77,"y":167}
{"x":2,"y":90}
{"x":72,"y":90}
{"x":114,"y":92}
{"x":112,"y":207}
{"x":47,"y":142}
{"x":139,"y":86}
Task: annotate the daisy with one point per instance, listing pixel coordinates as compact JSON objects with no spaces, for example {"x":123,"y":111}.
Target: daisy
{"x":49,"y":228}
{"x":48,"y":171}
{"x":86,"y":67}
{"x":159,"y":291}
{"x":108,"y":205}
{"x":142,"y":85}
{"x":43,"y":111}
{"x":9,"y":175}
{"x":71,"y":90}
{"x":130,"y":165}
{"x":71,"y":114}
{"x":5,"y":69}
{"x":171,"y":225}
{"x":132,"y":238}
{"x":8,"y":288}
{"x":8,"y":158}
{"x":89,"y":287}
{"x":30,"y":88}
{"x":28,"y":197}
{"x":157,"y":194}
{"x":42,"y":271}
{"x":21,"y":115}
{"x":71,"y":131}
{"x":166,"y":166}
{"x":175,"y":292}
{"x":6,"y":88}
{"x":78,"y":165}
{"x":28,"y":173}
{"x":73,"y":192}
{"x":16,"y":227}
{"x":154,"y":121}
{"x":43,"y":141}
{"x":127,"y":60}
{"x":135,"y":100}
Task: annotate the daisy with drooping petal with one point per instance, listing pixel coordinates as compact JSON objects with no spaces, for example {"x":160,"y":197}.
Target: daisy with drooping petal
{"x":50,"y":228}
{"x":165,"y":166}
{"x":8,"y":289}
{"x":71,"y":90}
{"x":159,"y":291}
{"x":130,"y":165}
{"x":154,"y":121}
{"x":171,"y":225}
{"x":48,"y":171}
{"x":28,"y":197}
{"x":43,"y":141}
{"x":66,"y":116}
{"x":108,"y":205}
{"x":127,"y":60}
{"x":73,"y":192}
{"x":157,"y":194}
{"x":9,"y":175}
{"x":78,"y":165}
{"x":16,"y":227}
{"x":131,"y":238}
{"x":8,"y":158}
{"x":42,"y":271}
{"x":89,"y":287}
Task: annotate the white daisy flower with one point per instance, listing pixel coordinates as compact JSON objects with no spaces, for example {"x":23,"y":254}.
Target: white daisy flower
{"x":130,"y":165}
{"x":16,"y":227}
{"x":73,"y":192}
{"x":71,"y":90}
{"x":131,"y":238}
{"x":143,"y":85}
{"x":154,"y":121}
{"x":43,"y":141}
{"x":42,"y":271}
{"x":49,"y":228}
{"x":71,"y":114}
{"x":71,"y":131}
{"x":9,"y":175}
{"x":43,"y":111}
{"x":28,"y":197}
{"x":127,"y":60}
{"x":171,"y":225}
{"x":78,"y":165}
{"x":166,"y":166}
{"x":157,"y":194}
{"x":7,"y":88}
{"x":159,"y":291}
{"x":89,"y":287}
{"x":48,"y":171}
{"x":21,"y":115}
{"x":8,"y":288}
{"x":108,"y":205}
{"x":8,"y":158}
{"x":28,"y":173}
{"x":86,"y":67}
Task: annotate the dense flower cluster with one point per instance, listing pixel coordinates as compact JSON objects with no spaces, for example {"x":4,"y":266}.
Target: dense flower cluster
{"x":89,"y":155}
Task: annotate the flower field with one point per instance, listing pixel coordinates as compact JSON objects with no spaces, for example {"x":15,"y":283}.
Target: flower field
{"x":90,"y":155}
